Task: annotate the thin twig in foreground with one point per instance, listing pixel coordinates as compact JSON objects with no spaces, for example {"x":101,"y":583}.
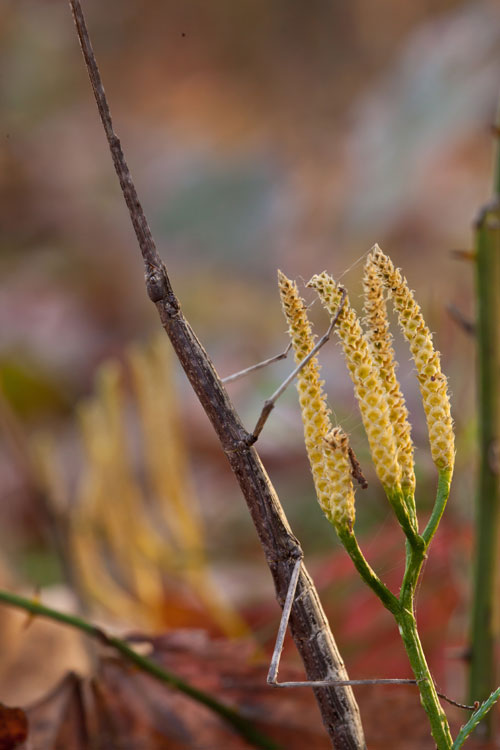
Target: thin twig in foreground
{"x":243,"y":726}
{"x":270,"y":402}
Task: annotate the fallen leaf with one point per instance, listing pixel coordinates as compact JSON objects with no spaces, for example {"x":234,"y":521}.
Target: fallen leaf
{"x":13,"y":727}
{"x":58,"y":721}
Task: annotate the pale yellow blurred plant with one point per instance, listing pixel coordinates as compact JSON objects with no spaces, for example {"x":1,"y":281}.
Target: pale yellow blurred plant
{"x":128,"y":538}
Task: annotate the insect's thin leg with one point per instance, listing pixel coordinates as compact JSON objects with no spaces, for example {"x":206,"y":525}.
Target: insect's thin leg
{"x":270,"y":402}
{"x":285,"y":616}
{"x":258,"y":366}
{"x":343,"y":683}
{"x":272,"y":676}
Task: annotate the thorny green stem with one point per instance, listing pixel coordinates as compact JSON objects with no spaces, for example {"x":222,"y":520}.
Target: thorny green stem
{"x":496,"y":174}
{"x":484,"y":626}
{"x":243,"y":726}
{"x":476,"y":717}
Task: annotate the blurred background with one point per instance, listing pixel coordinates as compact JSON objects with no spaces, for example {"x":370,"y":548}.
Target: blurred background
{"x":261,"y":135}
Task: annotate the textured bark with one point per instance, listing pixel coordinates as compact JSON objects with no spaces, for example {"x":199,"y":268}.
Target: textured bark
{"x":309,"y":626}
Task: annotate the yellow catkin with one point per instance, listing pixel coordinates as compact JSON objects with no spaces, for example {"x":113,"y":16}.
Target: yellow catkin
{"x":369,"y":390}
{"x":315,"y":414}
{"x":433,"y":384}
{"x":380,"y":339}
{"x":336,"y":456}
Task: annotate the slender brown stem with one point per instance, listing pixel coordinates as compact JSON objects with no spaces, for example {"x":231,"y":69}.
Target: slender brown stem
{"x":309,"y":626}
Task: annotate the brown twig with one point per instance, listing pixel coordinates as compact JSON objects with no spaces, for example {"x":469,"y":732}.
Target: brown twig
{"x":309,"y":626}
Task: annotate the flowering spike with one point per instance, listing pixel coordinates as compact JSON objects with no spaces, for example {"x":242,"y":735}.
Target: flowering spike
{"x":324,"y":460}
{"x":369,"y":390}
{"x":433,"y":384}
{"x":380,"y":340}
{"x":341,"y":495}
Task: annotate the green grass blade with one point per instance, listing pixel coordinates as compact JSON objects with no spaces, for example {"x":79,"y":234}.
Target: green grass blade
{"x":476,"y":717}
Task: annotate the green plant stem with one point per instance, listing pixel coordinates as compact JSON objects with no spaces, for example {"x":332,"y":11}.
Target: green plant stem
{"x":476,"y":717}
{"x":443,"y":492}
{"x":414,"y":561}
{"x":415,"y":557}
{"x":403,"y":608}
{"x":482,"y":679}
{"x":243,"y":726}
{"x":407,"y":521}
{"x":430,"y":701}
{"x":348,"y":539}
{"x":496,"y":168}
{"x":409,"y":500}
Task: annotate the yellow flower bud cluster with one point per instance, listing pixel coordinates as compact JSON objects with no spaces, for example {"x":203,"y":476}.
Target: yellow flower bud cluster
{"x":380,"y":339}
{"x":323,"y":457}
{"x":341,"y":493}
{"x":433,"y":384}
{"x":368,"y":387}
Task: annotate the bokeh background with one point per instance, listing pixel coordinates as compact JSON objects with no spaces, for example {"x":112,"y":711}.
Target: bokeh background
{"x":261,"y":135}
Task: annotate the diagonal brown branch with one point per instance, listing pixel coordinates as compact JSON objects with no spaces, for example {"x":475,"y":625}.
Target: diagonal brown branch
{"x":309,"y":626}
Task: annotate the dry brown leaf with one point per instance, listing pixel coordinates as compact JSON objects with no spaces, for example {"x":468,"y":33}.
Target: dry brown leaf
{"x":125,"y":709}
{"x":58,"y":721}
{"x":128,"y":709}
{"x":13,"y":727}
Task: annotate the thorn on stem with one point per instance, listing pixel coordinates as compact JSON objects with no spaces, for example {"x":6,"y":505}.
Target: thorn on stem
{"x":465,"y":324}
